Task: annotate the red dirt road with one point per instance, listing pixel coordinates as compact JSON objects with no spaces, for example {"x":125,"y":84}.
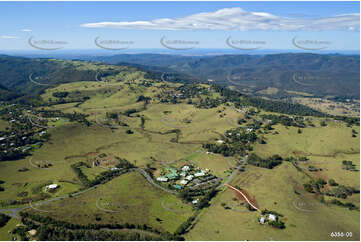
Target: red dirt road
{"x":245,"y":196}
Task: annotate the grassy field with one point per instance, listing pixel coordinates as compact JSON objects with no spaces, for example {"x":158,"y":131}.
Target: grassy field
{"x":331,"y":107}
{"x":126,"y":199}
{"x":131,"y":199}
{"x":4,"y":231}
{"x":3,"y":125}
{"x":325,"y":147}
{"x":273,"y":190}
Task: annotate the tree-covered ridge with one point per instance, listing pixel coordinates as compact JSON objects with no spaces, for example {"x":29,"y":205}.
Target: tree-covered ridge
{"x":317,"y":74}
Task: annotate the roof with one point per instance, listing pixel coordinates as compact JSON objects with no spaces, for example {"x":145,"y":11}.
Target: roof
{"x":52,"y":186}
{"x":272,"y":217}
{"x":190,"y":177}
{"x":162,"y":178}
{"x":199,"y":174}
{"x":185,"y":168}
{"x":262,"y":220}
{"x":172,"y":176}
{"x":32,"y":232}
{"x":176,"y":186}
{"x":183,"y":182}
{"x":172,"y":173}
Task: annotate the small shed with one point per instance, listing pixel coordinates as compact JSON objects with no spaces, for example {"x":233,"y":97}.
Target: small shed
{"x":262,"y":220}
{"x":32,"y":232}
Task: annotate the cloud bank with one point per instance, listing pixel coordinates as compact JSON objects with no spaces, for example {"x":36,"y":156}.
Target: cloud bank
{"x":241,"y":20}
{"x":8,"y":37}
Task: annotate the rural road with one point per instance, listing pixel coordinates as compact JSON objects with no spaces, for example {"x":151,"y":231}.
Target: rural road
{"x":151,"y":181}
{"x":37,"y":83}
{"x":233,"y":173}
{"x":13,"y":212}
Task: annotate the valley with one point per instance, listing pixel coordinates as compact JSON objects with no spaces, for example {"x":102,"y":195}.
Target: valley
{"x":138,"y":157}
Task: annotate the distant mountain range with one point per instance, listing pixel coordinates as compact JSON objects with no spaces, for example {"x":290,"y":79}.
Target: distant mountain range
{"x":319,"y":75}
{"x":276,"y":75}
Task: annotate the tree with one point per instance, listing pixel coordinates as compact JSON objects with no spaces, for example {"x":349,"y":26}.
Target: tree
{"x":332,"y":182}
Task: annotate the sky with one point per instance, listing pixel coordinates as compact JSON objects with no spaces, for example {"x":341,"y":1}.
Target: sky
{"x":121,"y":26}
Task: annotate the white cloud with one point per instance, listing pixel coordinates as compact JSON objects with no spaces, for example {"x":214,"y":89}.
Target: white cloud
{"x":26,"y":30}
{"x":239,"y":19}
{"x":8,"y":37}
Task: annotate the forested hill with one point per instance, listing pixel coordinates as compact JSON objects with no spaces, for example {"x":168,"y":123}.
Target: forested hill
{"x":6,"y":94}
{"x":16,"y":74}
{"x":321,"y":75}
{"x":30,"y":77}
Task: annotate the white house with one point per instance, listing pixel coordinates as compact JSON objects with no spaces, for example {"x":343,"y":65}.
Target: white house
{"x":183,"y":174}
{"x":183,"y":182}
{"x":190,"y":177}
{"x":185,"y":168}
{"x":195,"y":201}
{"x":272,"y":217}
{"x":52,"y":186}
{"x":201,"y":173}
{"x":2,"y":138}
{"x":162,"y":179}
{"x":220,"y":141}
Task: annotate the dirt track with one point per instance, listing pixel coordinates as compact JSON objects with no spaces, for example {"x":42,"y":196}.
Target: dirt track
{"x":244,"y":196}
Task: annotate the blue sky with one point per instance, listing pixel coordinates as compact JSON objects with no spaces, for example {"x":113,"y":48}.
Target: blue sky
{"x":262,"y":25}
